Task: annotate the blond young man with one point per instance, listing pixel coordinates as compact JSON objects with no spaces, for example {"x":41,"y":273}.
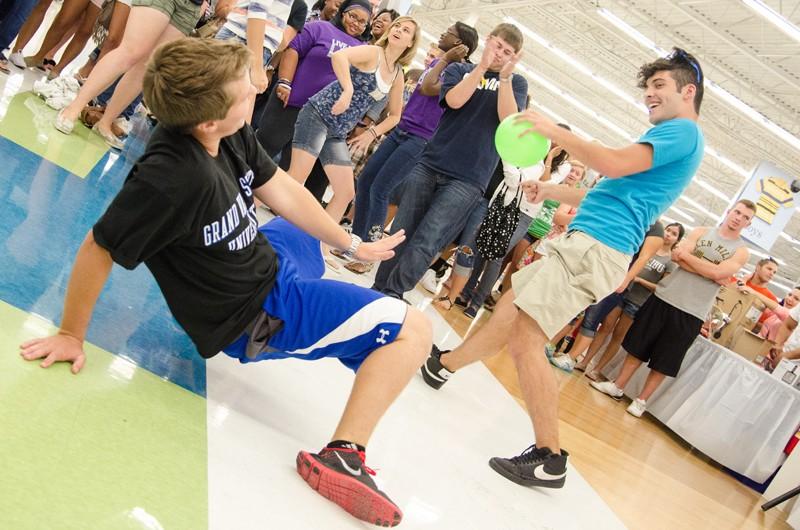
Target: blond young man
{"x":186,"y":211}
{"x":591,"y":259}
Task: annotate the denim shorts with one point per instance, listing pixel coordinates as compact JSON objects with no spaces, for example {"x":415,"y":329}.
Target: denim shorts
{"x":630,"y":308}
{"x":226,"y":34}
{"x":183,"y":14}
{"x":311,"y":135}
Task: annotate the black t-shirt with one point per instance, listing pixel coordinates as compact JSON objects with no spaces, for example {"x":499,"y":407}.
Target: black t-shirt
{"x":297,"y":15}
{"x":191,"y":219}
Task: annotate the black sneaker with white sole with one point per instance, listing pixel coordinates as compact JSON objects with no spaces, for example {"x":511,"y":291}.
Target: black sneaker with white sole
{"x":534,"y":467}
{"x":433,"y":372}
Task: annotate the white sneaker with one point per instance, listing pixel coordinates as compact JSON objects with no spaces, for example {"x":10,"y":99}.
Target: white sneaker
{"x":18,"y":60}
{"x":564,"y":362}
{"x":608,"y":388}
{"x":429,"y":282}
{"x":637,"y":407}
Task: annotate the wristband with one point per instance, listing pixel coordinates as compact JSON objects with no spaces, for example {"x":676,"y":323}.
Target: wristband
{"x":372,"y":130}
{"x":355,"y":241}
{"x":504,"y":79}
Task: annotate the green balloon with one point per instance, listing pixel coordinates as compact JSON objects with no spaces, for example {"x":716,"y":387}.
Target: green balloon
{"x":520,"y":152}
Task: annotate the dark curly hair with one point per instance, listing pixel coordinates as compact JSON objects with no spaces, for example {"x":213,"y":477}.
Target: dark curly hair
{"x":683,"y":67}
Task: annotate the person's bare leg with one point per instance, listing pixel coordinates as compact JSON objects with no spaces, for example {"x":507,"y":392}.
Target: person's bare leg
{"x":536,"y":380}
{"x":487,"y":339}
{"x":629,"y":367}
{"x":344,"y":189}
{"x":519,"y":250}
{"x":31,"y":25}
{"x":609,"y":324}
{"x":71,"y":12}
{"x":381,"y":378}
{"x":143,"y":32}
{"x":300,"y":167}
{"x":651,"y":384}
{"x":116,"y":28}
{"x":624,"y":324}
{"x":64,"y":40}
{"x":130,"y":85}
{"x":79,"y":39}
{"x":457,"y":283}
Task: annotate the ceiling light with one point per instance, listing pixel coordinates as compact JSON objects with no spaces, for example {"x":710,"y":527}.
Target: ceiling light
{"x":774,"y":18}
{"x":711,"y":189}
{"x":682,"y":214}
{"x":630,"y":31}
{"x":699,"y":207}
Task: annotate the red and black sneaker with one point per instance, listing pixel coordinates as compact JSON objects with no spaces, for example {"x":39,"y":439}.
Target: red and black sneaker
{"x":340,"y":476}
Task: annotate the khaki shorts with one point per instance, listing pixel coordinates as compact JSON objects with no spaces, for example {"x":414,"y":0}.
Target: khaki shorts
{"x":578,"y":272}
{"x":183,"y":14}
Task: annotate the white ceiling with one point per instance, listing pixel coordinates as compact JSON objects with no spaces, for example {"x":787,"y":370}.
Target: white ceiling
{"x":740,"y":52}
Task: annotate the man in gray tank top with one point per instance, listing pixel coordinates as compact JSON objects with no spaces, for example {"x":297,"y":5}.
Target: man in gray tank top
{"x":669,"y":322}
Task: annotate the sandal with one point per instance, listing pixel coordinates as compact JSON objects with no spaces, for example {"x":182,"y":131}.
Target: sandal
{"x":444,"y":299}
{"x":359,"y":267}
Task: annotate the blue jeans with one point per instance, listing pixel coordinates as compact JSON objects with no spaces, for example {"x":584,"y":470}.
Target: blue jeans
{"x":14,"y":19}
{"x":105,"y":96}
{"x":467,"y":247}
{"x":226,"y":34}
{"x":432,"y":214}
{"x":475,"y":292}
{"x":388,"y":166}
{"x":595,"y":314}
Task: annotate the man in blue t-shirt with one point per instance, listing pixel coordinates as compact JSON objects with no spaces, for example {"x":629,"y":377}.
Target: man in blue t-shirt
{"x":591,"y":259}
{"x":454,"y":169}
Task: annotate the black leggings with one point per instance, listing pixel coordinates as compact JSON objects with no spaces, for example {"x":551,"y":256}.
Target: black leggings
{"x":275,"y":132}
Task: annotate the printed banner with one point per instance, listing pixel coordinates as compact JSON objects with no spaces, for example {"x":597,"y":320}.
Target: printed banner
{"x":770,"y":188}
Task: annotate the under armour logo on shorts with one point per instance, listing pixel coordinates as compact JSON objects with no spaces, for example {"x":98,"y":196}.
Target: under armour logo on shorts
{"x":382,"y":339}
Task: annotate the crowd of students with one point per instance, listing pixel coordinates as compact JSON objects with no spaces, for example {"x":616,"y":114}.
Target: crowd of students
{"x":330,"y":100}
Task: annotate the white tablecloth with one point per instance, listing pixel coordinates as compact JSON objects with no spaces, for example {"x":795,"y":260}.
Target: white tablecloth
{"x":725,"y":406}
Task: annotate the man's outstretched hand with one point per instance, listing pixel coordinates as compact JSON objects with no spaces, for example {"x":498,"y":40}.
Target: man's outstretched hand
{"x":56,"y":348}
{"x":380,"y":250}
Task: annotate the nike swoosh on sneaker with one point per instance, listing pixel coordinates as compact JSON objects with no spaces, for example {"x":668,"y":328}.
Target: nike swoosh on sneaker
{"x":541,"y":474}
{"x":354,"y":472}
{"x":438,"y":376}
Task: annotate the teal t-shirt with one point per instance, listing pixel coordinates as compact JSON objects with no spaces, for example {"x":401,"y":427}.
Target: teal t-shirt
{"x":617,"y":212}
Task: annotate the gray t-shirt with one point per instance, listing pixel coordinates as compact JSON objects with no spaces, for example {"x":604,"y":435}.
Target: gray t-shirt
{"x":655,"y":269}
{"x":690,"y":292}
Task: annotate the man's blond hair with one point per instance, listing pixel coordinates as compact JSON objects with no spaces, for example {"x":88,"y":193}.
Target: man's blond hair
{"x":509,"y":33}
{"x":186,"y":82}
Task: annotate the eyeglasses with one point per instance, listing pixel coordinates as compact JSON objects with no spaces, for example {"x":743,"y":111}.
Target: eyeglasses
{"x":683,"y":56}
{"x":356,"y":20}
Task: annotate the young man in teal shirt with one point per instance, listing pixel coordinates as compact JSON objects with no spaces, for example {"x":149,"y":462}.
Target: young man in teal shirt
{"x":591,"y":259}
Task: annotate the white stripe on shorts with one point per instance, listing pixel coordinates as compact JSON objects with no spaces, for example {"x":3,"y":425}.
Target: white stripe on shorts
{"x":384,"y":310}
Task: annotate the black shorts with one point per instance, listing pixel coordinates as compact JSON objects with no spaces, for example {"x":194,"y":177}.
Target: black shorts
{"x":660,"y":335}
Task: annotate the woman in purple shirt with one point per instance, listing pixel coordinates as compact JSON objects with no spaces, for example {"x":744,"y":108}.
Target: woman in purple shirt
{"x":305,"y":69}
{"x":395,"y":157}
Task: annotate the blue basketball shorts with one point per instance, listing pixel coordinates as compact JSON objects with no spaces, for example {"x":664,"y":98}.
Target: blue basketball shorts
{"x":314,"y":318}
